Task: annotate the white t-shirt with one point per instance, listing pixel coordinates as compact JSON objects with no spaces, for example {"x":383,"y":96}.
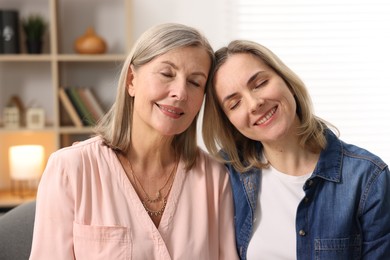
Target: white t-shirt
{"x":274,"y":234}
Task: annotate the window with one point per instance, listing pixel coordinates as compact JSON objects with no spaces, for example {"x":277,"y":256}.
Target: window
{"x":340,"y":49}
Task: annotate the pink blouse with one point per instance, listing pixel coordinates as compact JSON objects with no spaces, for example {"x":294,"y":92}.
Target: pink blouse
{"x":88,"y":209}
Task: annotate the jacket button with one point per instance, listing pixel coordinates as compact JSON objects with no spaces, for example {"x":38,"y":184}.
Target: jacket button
{"x":306,"y":199}
{"x":302,"y":233}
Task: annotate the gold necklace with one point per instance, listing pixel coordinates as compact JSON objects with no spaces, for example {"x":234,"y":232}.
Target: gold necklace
{"x":147,"y":197}
{"x":147,"y":200}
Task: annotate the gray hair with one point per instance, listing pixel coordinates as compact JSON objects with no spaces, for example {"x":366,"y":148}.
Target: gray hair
{"x":115,"y":126}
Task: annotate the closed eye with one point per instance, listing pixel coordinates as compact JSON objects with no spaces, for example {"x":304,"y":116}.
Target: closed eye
{"x":234,"y":105}
{"x":261,"y":84}
{"x":196,"y":84}
{"x":168,"y":75}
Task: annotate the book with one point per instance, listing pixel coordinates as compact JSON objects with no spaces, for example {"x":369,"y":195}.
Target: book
{"x":70,"y":108}
{"x":96,"y":108}
{"x":84,"y":114}
{"x":10,"y":31}
{"x":86,"y":102}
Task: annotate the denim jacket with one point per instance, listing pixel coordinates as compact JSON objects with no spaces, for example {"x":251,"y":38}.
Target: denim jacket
{"x":345,"y":213}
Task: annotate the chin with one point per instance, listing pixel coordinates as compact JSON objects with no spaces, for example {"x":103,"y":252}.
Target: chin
{"x":170,"y":132}
{"x":172,"y":129}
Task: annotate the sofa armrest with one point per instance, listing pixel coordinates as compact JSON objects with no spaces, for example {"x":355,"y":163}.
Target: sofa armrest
{"x":16,"y":231}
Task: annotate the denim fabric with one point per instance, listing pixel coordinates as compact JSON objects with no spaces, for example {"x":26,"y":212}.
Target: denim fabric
{"x":345,"y":213}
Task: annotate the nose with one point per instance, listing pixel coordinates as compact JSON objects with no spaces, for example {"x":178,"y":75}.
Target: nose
{"x":254,"y":103}
{"x":179,"y":90}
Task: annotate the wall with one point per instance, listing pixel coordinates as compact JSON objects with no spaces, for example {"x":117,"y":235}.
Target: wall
{"x":205,"y":15}
{"x":202,"y":14}
{"x":340,"y":49}
{"x":341,"y":55}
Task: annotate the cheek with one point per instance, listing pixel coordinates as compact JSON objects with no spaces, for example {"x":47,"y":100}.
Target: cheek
{"x":237,"y":119}
{"x":291,"y":101}
{"x":196,"y":99}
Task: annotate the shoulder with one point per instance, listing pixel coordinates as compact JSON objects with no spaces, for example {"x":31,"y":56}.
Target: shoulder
{"x":82,"y":147}
{"x":74,"y":156}
{"x":351,"y":157}
{"x":352,"y":164}
{"x":360,"y":155}
{"x":206,"y":164}
{"x":362,"y":165}
{"x":209,"y":174}
{"x":206,"y":160}
{"x":82,"y":162}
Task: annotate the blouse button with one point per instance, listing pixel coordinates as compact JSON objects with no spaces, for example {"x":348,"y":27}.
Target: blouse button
{"x":302,"y":233}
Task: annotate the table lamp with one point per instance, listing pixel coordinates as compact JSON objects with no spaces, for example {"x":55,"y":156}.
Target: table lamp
{"x":26,"y":165}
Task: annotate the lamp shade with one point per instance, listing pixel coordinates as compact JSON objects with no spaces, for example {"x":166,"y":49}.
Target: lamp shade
{"x":26,"y":161}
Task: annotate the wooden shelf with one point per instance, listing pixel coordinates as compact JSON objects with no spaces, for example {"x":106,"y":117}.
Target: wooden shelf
{"x":25,"y":57}
{"x":37,"y":78}
{"x":9,"y":199}
{"x":26,"y":130}
{"x":89,"y":58}
{"x":76,"y":130}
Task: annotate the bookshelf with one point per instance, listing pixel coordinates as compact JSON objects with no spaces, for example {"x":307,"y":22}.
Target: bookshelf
{"x":37,"y":78}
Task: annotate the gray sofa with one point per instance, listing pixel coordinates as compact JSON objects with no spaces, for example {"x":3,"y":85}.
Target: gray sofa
{"x":16,"y":229}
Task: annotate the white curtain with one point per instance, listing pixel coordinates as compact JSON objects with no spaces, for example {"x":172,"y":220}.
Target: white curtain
{"x":340,"y":49}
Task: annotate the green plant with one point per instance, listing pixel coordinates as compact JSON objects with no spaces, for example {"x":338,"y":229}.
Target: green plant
{"x":34,"y":27}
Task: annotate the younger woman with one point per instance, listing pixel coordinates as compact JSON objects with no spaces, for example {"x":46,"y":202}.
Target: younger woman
{"x":299,"y":191}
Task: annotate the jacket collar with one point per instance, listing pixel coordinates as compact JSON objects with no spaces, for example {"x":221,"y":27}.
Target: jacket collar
{"x":330,"y":162}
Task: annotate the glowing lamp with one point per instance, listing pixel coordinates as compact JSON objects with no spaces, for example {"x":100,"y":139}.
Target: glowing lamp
{"x":26,"y":164}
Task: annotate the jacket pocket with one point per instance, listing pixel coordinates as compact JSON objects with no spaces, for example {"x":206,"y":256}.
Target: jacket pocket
{"x":338,"y":248}
{"x":101,"y":242}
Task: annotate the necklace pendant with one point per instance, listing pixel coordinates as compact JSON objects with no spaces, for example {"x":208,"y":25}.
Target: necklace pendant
{"x":155,"y":213}
{"x":157,"y":199}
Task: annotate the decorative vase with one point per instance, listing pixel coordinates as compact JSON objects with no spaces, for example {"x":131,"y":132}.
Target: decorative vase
{"x":90,"y":43}
{"x":34,"y":47}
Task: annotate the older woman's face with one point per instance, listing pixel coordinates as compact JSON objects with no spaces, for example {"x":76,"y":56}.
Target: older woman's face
{"x":256,"y":100}
{"x":168,"y":91}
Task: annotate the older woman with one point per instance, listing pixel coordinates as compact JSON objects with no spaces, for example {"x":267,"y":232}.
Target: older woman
{"x":142,"y":189}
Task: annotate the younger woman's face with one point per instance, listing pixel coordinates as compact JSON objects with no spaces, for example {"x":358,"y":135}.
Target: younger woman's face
{"x":168,"y":91}
{"x":256,"y":100}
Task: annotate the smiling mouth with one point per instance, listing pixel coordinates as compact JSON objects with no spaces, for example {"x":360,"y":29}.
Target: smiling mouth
{"x":170,"y":110}
{"x":266,"y":117}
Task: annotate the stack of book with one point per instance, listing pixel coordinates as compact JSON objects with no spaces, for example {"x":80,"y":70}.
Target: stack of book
{"x":81,"y":105}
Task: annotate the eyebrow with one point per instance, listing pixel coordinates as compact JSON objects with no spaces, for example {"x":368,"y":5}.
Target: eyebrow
{"x":175,"y":67}
{"x":250,"y":80}
{"x":170,"y":63}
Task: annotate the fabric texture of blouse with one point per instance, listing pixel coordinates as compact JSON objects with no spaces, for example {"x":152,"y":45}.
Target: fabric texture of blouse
{"x":88,"y":209}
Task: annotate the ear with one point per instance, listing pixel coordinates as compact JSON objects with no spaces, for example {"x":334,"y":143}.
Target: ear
{"x":129,"y":81}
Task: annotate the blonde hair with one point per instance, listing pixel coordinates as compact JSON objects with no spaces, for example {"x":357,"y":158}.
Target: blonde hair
{"x":115,"y":126}
{"x":242,"y":152}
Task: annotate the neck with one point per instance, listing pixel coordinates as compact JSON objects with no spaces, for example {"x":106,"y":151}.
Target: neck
{"x":151,"y":156}
{"x":151,"y":170}
{"x":290,"y":158}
